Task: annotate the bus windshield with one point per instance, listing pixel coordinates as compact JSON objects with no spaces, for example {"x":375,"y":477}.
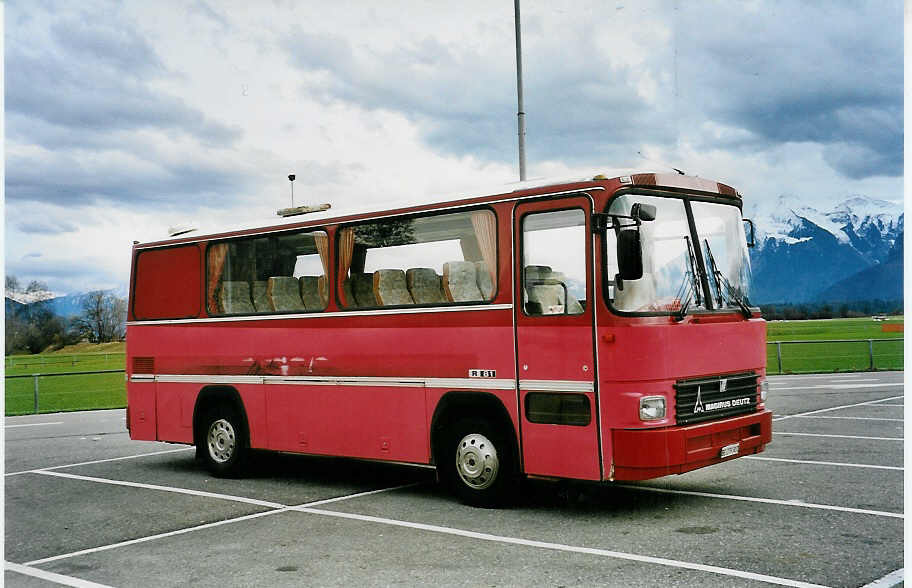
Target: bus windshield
{"x":674,"y":258}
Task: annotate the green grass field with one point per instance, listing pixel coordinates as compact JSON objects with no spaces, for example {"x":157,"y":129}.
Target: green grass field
{"x":71,"y":392}
{"x":65,"y":393}
{"x":834,"y":357}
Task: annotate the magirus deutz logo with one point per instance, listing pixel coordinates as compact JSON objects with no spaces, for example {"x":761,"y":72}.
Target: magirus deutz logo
{"x":699,"y":406}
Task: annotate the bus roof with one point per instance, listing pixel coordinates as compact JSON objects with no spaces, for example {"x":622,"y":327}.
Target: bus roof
{"x":503,"y":191}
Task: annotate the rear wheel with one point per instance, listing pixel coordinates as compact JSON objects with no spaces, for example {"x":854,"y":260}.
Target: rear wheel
{"x":478,"y":463}
{"x":222,"y":443}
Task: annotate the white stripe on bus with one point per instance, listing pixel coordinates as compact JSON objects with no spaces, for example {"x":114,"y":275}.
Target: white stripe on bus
{"x":471,"y":383}
{"x":311,"y":315}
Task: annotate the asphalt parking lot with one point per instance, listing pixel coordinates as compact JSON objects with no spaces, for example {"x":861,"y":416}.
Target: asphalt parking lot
{"x":86,"y":506}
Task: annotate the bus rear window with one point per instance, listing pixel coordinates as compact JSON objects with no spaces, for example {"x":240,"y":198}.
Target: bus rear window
{"x":167,"y":284}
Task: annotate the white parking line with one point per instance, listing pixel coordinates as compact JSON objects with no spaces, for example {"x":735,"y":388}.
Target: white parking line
{"x":51,"y":576}
{"x":869,"y":402}
{"x":847,"y":379}
{"x":73,"y":465}
{"x":154,"y":537}
{"x":564,"y":548}
{"x":828,"y":463}
{"x":879,"y":513}
{"x":836,"y":387}
{"x":849,"y":418}
{"x":899,"y":405}
{"x":840,"y":436}
{"x":894,"y":578}
{"x":242,"y":499}
{"x":211,"y":525}
{"x":5,"y":426}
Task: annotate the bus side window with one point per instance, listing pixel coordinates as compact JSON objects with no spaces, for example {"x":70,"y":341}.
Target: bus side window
{"x":285,"y":272}
{"x":554,"y":262}
{"x":431,"y":260}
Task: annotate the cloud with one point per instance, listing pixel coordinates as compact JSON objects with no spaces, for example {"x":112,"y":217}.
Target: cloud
{"x":45,"y":226}
{"x":140,"y":177}
{"x":840,"y":86}
{"x":773,"y":74}
{"x":85,"y":119}
{"x":464,"y":97}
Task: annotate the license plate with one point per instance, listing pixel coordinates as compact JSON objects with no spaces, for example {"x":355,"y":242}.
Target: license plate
{"x":730,"y":450}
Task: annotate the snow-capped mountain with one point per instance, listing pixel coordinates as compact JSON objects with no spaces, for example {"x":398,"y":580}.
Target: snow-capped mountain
{"x":63,"y":305}
{"x":803,"y":252}
{"x":30,"y":297}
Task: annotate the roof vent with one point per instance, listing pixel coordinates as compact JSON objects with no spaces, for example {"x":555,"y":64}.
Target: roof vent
{"x":181,"y":230}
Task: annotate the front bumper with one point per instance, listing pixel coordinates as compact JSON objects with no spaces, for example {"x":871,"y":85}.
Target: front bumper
{"x":641,"y":454}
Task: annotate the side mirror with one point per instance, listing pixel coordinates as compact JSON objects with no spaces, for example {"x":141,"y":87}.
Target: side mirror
{"x":750,"y":234}
{"x":629,"y":254}
{"x":643,"y":212}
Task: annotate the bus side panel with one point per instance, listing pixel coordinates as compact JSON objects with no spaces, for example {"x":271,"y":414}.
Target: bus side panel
{"x":174,"y":414}
{"x":141,"y":412}
{"x":253,"y":397}
{"x":374,"y":422}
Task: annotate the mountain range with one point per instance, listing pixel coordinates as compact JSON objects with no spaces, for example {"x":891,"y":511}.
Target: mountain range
{"x":852,"y":251}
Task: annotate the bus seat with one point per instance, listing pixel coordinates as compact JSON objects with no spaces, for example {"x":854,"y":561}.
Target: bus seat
{"x":635,"y":294}
{"x":234,"y":298}
{"x":350,"y":301}
{"x":283,"y":293}
{"x":483,"y":279}
{"x":573,"y":305}
{"x":310,"y":293}
{"x":260,"y":300}
{"x":425,"y":286}
{"x":459,"y":282}
{"x":363,"y":290}
{"x":390,"y":287}
{"x":545,"y":292}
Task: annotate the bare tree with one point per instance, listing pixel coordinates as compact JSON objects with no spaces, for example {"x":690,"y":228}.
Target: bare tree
{"x":103,"y":317}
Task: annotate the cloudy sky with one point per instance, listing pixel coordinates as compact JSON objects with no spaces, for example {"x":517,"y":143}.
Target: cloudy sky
{"x":124,"y":118}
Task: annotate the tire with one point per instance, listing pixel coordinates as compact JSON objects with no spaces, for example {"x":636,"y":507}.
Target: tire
{"x":222,"y":442}
{"x":478,"y":463}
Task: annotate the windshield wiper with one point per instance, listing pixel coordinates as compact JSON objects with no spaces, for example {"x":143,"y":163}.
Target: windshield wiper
{"x":733,"y":294}
{"x":689,"y":288}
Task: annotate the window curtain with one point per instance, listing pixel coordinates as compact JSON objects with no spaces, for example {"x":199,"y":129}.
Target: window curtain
{"x":485,"y":226}
{"x":216,"y":263}
{"x":346,"y":248}
{"x":322,"y":243}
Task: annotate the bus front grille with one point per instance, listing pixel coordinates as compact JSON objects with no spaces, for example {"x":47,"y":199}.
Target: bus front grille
{"x":715,"y":397}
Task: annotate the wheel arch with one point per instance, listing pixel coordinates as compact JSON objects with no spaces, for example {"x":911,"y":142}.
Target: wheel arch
{"x":457,"y":404}
{"x":211,"y":396}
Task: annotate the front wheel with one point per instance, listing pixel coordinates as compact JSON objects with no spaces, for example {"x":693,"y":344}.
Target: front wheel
{"x":222,"y":443}
{"x":478,"y":463}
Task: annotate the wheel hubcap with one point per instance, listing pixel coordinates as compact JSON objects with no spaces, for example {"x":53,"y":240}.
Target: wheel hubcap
{"x":221,"y":441}
{"x":476,"y":461}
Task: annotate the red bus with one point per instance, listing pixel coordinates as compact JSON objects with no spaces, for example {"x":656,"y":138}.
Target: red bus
{"x":593,"y":330}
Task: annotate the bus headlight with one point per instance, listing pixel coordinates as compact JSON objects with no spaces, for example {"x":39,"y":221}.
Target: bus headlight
{"x":652,"y":408}
{"x":764,"y":389}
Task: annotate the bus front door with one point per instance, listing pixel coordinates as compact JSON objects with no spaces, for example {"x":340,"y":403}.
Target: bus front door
{"x":556,"y":368}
